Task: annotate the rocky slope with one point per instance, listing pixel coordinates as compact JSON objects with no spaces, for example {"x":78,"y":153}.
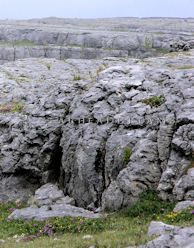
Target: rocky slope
{"x":92,"y":39}
{"x":80,"y":115}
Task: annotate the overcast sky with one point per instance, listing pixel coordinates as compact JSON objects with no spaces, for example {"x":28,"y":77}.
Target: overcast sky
{"x":27,"y":9}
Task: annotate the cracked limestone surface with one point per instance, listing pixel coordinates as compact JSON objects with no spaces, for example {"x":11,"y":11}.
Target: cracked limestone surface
{"x":80,"y":115}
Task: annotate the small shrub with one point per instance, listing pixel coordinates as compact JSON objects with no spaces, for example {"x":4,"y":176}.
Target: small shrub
{"x":126,"y":155}
{"x":148,"y":43}
{"x":153,"y":101}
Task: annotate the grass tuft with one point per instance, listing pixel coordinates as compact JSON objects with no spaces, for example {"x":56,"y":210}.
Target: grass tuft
{"x":76,"y":78}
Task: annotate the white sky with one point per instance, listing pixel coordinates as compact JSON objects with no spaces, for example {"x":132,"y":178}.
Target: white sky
{"x":27,"y":9}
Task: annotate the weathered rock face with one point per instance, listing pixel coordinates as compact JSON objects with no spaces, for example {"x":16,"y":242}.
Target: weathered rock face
{"x":12,"y":53}
{"x":79,"y":116}
{"x":181,"y":46}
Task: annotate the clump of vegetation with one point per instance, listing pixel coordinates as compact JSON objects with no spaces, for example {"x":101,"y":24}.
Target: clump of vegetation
{"x":148,"y":43}
{"x":185,"y":67}
{"x":11,"y":108}
{"x":153,"y":101}
{"x":67,"y":109}
{"x":160,"y":81}
{"x":48,"y":65}
{"x":169,"y":65}
{"x":100,"y":68}
{"x":123,"y":60}
{"x":105,"y":65}
{"x":76,"y":78}
{"x":150,"y":204}
{"x":126,"y":155}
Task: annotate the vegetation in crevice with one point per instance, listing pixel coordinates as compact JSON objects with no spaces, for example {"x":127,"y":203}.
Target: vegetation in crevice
{"x":11,"y":108}
{"x":126,"y":155}
{"x":76,"y":78}
{"x":153,"y":101}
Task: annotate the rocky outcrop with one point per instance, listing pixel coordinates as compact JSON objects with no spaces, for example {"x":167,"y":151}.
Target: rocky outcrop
{"x":85,"y":39}
{"x":181,"y":46}
{"x":51,"y":203}
{"x":169,"y":236}
{"x":12,"y":53}
{"x":80,"y":115}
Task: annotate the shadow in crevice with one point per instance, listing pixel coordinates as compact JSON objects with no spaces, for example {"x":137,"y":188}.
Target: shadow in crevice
{"x":55,"y":172}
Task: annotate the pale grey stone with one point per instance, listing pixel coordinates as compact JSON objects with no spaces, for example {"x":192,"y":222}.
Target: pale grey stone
{"x":35,"y":213}
{"x":183,"y":205}
{"x":159,"y":228}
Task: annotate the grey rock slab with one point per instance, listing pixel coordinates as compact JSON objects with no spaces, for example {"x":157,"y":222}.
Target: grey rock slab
{"x":35,"y":213}
{"x":48,"y":191}
{"x":160,"y":228}
{"x":182,"y":237}
{"x":183,"y":205}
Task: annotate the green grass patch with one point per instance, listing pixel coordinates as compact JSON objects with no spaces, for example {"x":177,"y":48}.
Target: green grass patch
{"x":127,"y":227}
{"x":153,"y":101}
{"x":19,"y":43}
{"x":126,"y":155}
{"x":11,"y":108}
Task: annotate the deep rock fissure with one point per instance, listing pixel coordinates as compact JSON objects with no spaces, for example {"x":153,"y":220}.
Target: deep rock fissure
{"x":55,"y":174}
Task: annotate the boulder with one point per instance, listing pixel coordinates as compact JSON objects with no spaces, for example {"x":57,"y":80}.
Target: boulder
{"x":44,"y":212}
{"x":183,"y":205}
